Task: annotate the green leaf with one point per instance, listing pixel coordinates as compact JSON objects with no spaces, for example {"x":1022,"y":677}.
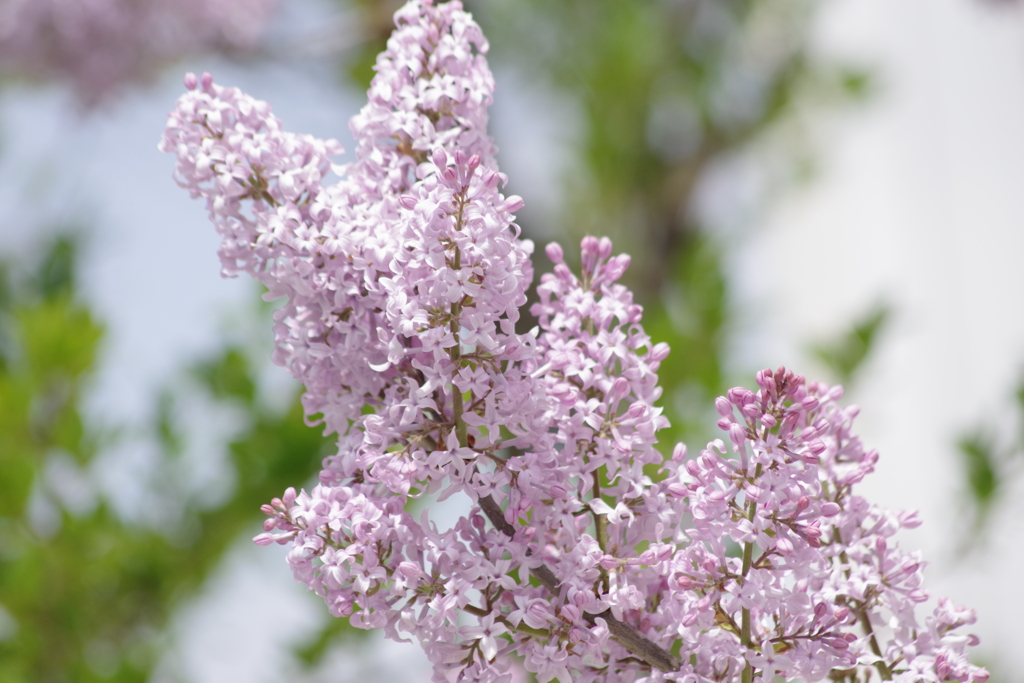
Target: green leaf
{"x":228,"y":376}
{"x":845,"y":355}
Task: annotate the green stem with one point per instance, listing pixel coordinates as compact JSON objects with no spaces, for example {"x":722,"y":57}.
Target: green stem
{"x":601,"y":528}
{"x":456,"y":352}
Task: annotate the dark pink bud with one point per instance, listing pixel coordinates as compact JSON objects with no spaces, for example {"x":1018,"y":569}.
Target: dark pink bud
{"x":737,"y":435}
{"x":684,"y":582}
{"x":474,"y":161}
{"x":788,"y":424}
{"x":768,"y":420}
{"x":739,"y":396}
{"x":679,"y":452}
{"x":290,"y":496}
{"x":810,"y":403}
{"x":604,"y":248}
{"x":841,"y":615}
{"x":449,"y":174}
{"x":206,"y":80}
{"x":460,"y":158}
{"x":820,"y":610}
{"x":554,"y":252}
{"x":802,"y":503}
{"x":269,"y":524}
{"x":725,"y":423}
{"x":619,"y":388}
{"x":817,"y":447}
{"x":723,"y":407}
{"x":191,"y":81}
{"x":693,"y":468}
{"x":830,"y":509}
{"x":676,"y":489}
{"x":440,"y":158}
{"x":659,"y":352}
{"x":267,"y":510}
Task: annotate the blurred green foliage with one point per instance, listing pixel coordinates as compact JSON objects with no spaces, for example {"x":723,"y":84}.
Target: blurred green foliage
{"x":85,"y":594}
{"x":844,"y":355}
{"x":989,"y":462}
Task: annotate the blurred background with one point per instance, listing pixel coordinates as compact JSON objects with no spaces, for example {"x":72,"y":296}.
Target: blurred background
{"x":834,"y":186}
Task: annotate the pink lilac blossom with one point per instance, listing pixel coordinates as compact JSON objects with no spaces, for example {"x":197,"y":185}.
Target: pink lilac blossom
{"x":586,"y":556}
{"x":98,"y":45}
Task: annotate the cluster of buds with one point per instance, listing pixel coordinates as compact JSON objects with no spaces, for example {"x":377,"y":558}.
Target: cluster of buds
{"x":585,"y":555}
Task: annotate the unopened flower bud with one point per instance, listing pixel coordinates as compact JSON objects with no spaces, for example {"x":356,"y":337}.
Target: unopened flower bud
{"x":679,"y":452}
{"x":513,"y":203}
{"x":440,"y":158}
{"x":723,"y":407}
{"x":554,"y":252}
{"x":660,"y":352}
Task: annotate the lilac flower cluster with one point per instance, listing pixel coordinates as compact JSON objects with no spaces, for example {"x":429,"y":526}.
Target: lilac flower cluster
{"x":98,"y":45}
{"x":585,"y":555}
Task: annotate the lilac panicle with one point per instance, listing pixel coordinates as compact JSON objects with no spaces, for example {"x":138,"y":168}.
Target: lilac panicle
{"x":403,"y":282}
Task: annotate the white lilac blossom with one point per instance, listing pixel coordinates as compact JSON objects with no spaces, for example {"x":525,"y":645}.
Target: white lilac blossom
{"x":98,"y":45}
{"x":585,"y":555}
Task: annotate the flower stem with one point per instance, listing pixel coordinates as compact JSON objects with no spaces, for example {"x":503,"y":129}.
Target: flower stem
{"x":748,"y":559}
